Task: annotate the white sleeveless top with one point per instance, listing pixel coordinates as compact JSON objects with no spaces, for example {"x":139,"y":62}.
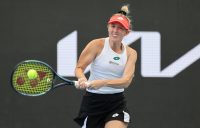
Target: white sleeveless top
{"x":108,"y":65}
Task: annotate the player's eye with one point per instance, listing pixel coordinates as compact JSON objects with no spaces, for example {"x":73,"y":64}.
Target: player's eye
{"x":115,"y":26}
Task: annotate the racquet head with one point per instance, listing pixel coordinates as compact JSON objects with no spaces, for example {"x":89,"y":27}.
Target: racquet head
{"x":40,"y":85}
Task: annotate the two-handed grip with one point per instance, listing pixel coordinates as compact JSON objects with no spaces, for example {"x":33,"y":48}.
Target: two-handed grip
{"x":76,"y":84}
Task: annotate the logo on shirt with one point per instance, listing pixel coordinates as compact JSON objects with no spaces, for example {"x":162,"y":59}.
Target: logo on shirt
{"x":114,"y":63}
{"x":116,"y":58}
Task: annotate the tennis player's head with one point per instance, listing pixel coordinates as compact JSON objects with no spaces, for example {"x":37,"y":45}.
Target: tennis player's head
{"x":119,"y":25}
{"x":122,"y":18}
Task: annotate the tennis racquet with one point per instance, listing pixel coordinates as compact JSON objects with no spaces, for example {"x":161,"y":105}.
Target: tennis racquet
{"x":46,"y":79}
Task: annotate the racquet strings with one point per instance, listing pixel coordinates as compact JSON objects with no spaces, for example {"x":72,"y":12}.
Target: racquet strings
{"x":32,"y":87}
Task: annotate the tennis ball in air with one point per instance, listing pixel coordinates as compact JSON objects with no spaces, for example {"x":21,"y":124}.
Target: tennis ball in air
{"x":32,"y":74}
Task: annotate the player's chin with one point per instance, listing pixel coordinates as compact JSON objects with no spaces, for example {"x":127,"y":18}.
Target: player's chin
{"x":115,"y":38}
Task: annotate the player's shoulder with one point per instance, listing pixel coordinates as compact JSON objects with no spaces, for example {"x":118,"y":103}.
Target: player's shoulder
{"x":99,"y":42}
{"x":132,"y":54}
{"x":131,"y":51}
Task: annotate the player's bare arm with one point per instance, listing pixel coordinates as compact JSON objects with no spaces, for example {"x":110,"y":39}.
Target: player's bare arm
{"x":87,"y":56}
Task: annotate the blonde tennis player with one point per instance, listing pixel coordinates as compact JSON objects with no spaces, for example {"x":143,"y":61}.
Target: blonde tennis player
{"x":112,"y":70}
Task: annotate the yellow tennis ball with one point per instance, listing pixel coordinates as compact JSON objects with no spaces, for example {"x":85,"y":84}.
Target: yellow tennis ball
{"x":32,"y":74}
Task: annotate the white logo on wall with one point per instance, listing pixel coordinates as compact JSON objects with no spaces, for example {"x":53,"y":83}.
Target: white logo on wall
{"x":150,"y":55}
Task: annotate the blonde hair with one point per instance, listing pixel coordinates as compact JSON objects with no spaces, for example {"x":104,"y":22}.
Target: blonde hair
{"x":125,"y":8}
{"x":125,"y":12}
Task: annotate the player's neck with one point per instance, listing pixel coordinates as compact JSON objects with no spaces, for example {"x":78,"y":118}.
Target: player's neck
{"x":116,"y":46}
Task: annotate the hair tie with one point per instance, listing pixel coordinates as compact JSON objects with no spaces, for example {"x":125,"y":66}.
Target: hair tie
{"x":122,"y":12}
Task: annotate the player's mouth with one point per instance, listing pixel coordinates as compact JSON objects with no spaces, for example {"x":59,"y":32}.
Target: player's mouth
{"x":115,"y":35}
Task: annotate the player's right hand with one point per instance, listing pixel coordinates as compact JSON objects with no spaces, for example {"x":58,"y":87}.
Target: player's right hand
{"x":83,"y":84}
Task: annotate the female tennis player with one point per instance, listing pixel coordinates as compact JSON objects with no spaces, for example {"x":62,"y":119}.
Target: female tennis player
{"x":112,"y":70}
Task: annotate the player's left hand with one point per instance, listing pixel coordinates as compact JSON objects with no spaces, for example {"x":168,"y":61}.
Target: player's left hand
{"x":96,"y":84}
